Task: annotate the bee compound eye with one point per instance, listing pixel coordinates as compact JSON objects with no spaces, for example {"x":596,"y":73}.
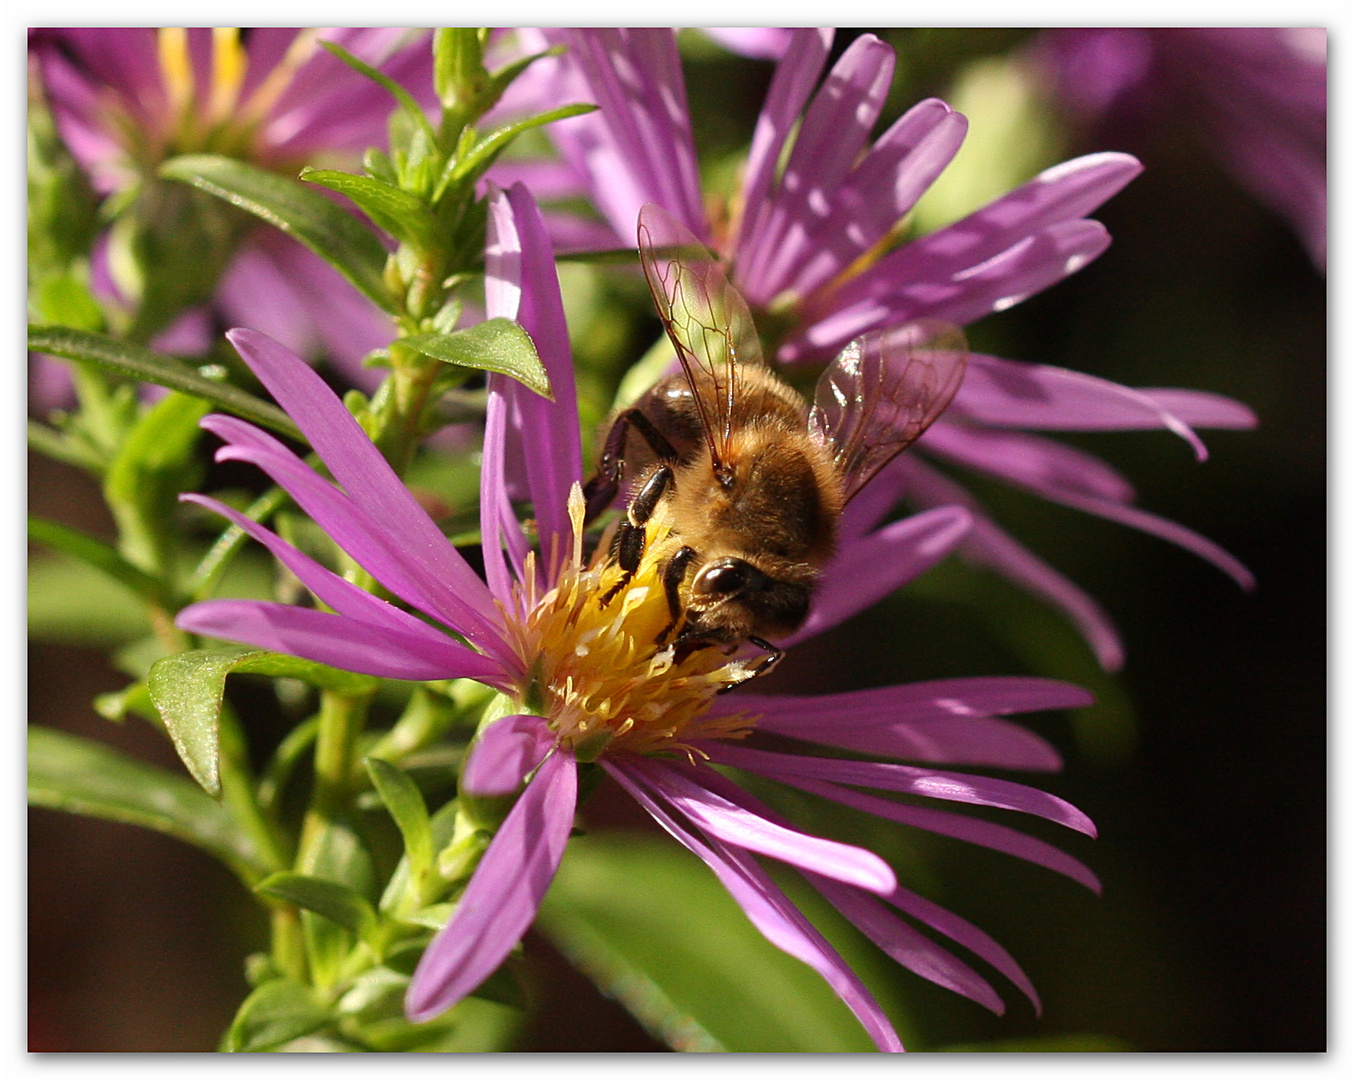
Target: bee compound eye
{"x":723,"y":578}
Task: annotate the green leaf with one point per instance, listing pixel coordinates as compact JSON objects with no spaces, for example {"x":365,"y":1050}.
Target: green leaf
{"x":499,"y":345}
{"x":188,"y":688}
{"x":99,"y":555}
{"x":277,"y":1012}
{"x":398,"y":212}
{"x":338,"y":854}
{"x":146,"y":475}
{"x":335,"y":901}
{"x":487,"y":149}
{"x":135,"y":362}
{"x":80,"y":776}
{"x":406,"y":806}
{"x":716,"y":985}
{"x":328,"y":230}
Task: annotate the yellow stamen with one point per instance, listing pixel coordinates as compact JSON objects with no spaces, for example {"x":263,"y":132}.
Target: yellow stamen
{"x":229,"y":64}
{"x":176,"y":67}
{"x":602,"y":678}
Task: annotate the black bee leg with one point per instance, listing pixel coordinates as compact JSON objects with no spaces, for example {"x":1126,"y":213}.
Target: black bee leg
{"x":601,"y":490}
{"x":771,"y":659}
{"x":673,"y":574}
{"x":630,"y":534}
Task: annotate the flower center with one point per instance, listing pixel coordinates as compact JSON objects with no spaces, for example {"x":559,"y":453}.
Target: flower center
{"x":607,"y":675}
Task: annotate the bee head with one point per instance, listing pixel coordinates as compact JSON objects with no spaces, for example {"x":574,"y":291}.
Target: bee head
{"x":743,"y":594}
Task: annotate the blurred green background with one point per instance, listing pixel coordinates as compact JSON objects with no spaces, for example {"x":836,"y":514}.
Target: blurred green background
{"x":1203,"y":766}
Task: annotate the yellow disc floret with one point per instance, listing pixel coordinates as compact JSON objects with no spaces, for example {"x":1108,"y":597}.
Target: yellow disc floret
{"x":603,"y":669}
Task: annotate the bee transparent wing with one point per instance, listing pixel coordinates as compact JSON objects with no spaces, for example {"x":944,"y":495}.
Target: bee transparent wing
{"x":705,"y":316}
{"x":882,"y":391}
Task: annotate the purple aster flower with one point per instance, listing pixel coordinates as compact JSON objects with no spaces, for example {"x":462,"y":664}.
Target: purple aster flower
{"x":587,"y":682}
{"x":804,"y":246}
{"x":126,"y":98}
{"x":1257,"y":94}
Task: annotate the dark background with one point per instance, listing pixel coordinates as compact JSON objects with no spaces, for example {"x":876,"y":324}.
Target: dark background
{"x":1204,"y":769}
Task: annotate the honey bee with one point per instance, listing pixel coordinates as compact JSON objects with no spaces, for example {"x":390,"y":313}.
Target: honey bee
{"x":754,"y":480}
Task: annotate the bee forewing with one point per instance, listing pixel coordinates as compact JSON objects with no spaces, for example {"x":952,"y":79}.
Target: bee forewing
{"x":882,"y":391}
{"x":705,"y":316}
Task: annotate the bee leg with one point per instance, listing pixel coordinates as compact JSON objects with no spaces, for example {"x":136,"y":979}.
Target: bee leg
{"x":630,"y":535}
{"x":601,"y":490}
{"x":673,"y":574}
{"x":769,"y":661}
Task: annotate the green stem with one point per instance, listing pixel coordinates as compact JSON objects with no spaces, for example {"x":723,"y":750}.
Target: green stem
{"x":341,"y":719}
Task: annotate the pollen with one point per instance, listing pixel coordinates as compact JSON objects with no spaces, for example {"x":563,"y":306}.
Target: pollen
{"x":607,"y":675}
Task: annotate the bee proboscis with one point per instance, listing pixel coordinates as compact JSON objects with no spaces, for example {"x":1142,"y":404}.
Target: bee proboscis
{"x":753,"y":479}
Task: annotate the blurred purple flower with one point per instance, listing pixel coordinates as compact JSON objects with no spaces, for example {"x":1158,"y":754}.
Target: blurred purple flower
{"x":1257,"y":95}
{"x":804,"y":247}
{"x":602,"y":690}
{"x":127,"y":98}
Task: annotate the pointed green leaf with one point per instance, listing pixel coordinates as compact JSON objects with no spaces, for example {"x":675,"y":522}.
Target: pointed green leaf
{"x":99,"y":555}
{"x":277,"y":1012}
{"x":487,"y":149}
{"x":406,"y":806}
{"x":398,"y":212}
{"x":499,"y":345}
{"x":334,"y":901}
{"x":328,"y":230}
{"x":134,"y":362}
{"x":188,"y":689}
{"x":81,"y":776}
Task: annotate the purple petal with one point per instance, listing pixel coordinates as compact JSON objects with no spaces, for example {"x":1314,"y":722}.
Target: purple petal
{"x":368,"y":478}
{"x":972,"y":741}
{"x":341,"y":595}
{"x":277,"y":286}
{"x":518,"y":259}
{"x":374,"y":546}
{"x":339,"y":641}
{"x":1028,"y":461}
{"x":503,"y":895}
{"x":866,"y":570}
{"x":967,"y":935}
{"x":988,"y":545}
{"x":939,"y":699}
{"x":931,"y":783}
{"x":944,"y":823}
{"x":504,"y":754}
{"x":795,"y":77}
{"x":756,"y":42}
{"x":915,"y":951}
{"x":896,"y":172}
{"x":498,"y":524}
{"x":710,"y":804}
{"x":638,"y":148}
{"x":961,"y":297}
{"x":1062,"y":475}
{"x":1008,"y":393}
{"x":836,"y":128}
{"x":1202,"y":409}
{"x":769,"y":910}
{"x":327,"y":106}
